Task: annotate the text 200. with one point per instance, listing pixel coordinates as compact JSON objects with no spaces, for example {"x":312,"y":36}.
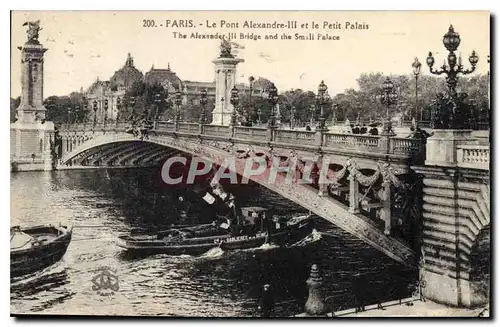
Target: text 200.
{"x":148,"y":23}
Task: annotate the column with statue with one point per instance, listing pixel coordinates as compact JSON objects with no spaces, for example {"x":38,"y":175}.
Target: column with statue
{"x":225,"y":80}
{"x":32,"y":137}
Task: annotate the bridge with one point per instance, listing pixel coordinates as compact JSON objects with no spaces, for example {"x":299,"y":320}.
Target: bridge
{"x":362,"y":168}
{"x":435,"y":189}
{"x":422,"y":202}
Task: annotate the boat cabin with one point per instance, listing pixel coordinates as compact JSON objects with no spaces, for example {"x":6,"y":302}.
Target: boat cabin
{"x":257,"y":217}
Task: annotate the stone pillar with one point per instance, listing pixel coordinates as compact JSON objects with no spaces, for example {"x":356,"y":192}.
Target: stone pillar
{"x":31,"y":134}
{"x":384,"y":143}
{"x":225,"y":79}
{"x":456,"y":209}
{"x":318,"y":137}
{"x":441,"y":148}
{"x":314,"y":305}
{"x":353,"y":194}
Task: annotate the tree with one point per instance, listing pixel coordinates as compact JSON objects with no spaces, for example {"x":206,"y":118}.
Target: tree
{"x":145,"y":103}
{"x":364,"y":101}
{"x":301,"y":100}
{"x":252,"y":107}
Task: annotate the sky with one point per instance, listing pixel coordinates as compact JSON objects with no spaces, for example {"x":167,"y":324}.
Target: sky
{"x":84,"y":45}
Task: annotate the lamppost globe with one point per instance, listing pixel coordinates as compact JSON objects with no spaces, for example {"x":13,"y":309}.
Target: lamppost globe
{"x":451,"y":39}
{"x":234,"y":94}
{"x":204,"y":94}
{"x":322,"y":88}
{"x":388,"y":85}
{"x":430,"y":59}
{"x":416,"y":67}
{"x":393,"y":97}
{"x":203,"y":97}
{"x":473,"y":58}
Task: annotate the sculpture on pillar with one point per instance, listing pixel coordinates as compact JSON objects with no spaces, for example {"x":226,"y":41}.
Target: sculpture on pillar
{"x":33,"y":30}
{"x":225,"y":49}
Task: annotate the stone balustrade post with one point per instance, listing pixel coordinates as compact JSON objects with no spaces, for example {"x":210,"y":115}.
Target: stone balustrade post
{"x":384,"y":143}
{"x":318,"y":137}
{"x":271,"y":133}
{"x":232,"y":130}
{"x":353,"y":194}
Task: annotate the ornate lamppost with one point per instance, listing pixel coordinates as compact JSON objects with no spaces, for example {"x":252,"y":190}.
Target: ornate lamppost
{"x":69,"y":116}
{"x":321,"y":99}
{"x":105,"y":112}
{"x":292,"y":117}
{"x":416,"y":71}
{"x":203,"y":103}
{"x":451,"y":41}
{"x":178,"y":102}
{"x":259,"y":114}
{"x":158,"y":99}
{"x":131,"y":107}
{"x":85,"y":110}
{"x":118,"y":108}
{"x":94,"y":105}
{"x":272,"y":97}
{"x":335,"y":108}
{"x":387,"y":98}
{"x":251,"y":80}
{"x":312,"y":109}
{"x":234,"y":100}
{"x":77,"y":114}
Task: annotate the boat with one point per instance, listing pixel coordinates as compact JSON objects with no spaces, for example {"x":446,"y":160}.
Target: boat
{"x":254,"y":228}
{"x":35,"y":248}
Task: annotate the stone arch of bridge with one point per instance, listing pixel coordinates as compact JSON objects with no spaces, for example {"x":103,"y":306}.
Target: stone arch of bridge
{"x":324,"y":206}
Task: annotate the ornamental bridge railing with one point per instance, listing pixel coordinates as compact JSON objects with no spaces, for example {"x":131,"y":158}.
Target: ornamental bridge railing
{"x":399,"y":147}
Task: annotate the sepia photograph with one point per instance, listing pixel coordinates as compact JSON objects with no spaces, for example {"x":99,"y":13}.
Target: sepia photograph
{"x":250,"y":164}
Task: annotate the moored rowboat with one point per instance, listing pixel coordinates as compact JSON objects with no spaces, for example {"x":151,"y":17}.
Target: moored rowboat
{"x":37,"y":247}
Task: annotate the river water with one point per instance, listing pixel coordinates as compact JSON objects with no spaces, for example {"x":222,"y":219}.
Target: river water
{"x":103,"y":203}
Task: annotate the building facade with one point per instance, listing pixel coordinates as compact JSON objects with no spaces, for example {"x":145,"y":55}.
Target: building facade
{"x":113,"y":90}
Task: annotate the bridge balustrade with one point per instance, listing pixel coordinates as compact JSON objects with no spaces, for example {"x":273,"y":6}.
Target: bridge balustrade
{"x":216,"y":130}
{"x":295,"y":137}
{"x":371,"y":143}
{"x":184,"y":127}
{"x":473,"y":156}
{"x":406,"y":146}
{"x":165,"y":126}
{"x":338,"y":140}
{"x":250,"y":133}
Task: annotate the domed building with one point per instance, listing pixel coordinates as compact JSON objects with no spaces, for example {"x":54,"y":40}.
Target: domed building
{"x":124,"y":78}
{"x":114,"y":90}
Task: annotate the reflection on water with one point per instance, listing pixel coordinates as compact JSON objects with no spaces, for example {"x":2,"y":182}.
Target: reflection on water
{"x":104,"y":203}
